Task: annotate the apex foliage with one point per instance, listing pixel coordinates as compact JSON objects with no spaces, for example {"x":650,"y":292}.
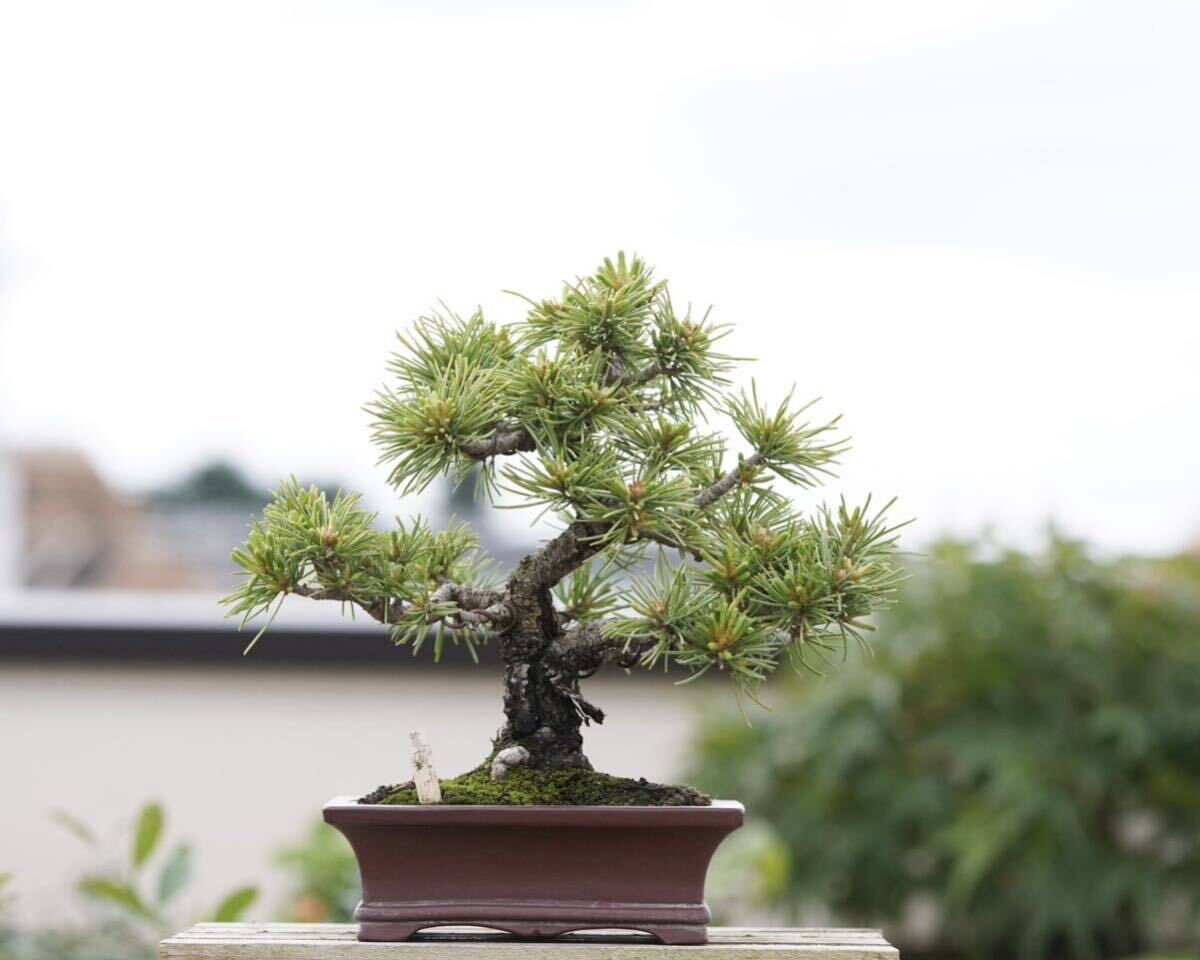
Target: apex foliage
{"x":592,"y":408}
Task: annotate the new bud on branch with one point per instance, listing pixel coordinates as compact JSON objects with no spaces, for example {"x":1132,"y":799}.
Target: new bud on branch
{"x":591,"y":408}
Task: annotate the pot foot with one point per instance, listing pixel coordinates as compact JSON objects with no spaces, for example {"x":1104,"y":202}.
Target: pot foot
{"x":380,"y":931}
{"x":680,"y":935}
{"x":670,"y":934}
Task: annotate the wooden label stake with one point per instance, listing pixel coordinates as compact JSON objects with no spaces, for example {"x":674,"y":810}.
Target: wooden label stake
{"x":425,"y":777}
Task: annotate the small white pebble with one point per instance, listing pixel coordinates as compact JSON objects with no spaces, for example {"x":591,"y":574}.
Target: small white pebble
{"x":506,"y":759}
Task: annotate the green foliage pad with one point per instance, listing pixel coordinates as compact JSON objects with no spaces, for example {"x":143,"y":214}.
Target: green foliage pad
{"x":592,"y":408}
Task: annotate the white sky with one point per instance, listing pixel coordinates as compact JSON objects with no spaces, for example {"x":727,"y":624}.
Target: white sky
{"x":971,"y":227}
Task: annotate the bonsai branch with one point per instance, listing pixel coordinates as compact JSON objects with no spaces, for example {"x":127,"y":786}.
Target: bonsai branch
{"x":675,"y":544}
{"x":475,"y":606}
{"x":583,"y":649}
{"x":505,"y":441}
{"x":583,"y":539}
{"x":474,"y":603}
{"x":384,"y":609}
{"x":561,"y":555}
{"x":733,"y":478}
{"x":645,"y":375}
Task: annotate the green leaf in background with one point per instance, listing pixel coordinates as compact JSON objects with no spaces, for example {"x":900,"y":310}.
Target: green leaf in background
{"x":175,"y":873}
{"x":1020,"y":752}
{"x":755,"y":862}
{"x":234,"y":905}
{"x":325,"y":884}
{"x":5,"y":899}
{"x":118,"y":894}
{"x":74,"y":825}
{"x":146,"y":835}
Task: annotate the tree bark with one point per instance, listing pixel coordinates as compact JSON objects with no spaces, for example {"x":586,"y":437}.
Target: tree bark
{"x":503,"y":442}
{"x":543,"y":708}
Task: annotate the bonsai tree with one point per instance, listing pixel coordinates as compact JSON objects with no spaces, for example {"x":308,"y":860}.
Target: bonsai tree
{"x":591,"y":409}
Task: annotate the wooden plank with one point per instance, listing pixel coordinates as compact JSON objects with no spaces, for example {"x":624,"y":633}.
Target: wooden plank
{"x":337,"y":941}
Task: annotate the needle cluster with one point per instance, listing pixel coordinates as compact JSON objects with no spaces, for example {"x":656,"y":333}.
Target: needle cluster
{"x":594,"y":408}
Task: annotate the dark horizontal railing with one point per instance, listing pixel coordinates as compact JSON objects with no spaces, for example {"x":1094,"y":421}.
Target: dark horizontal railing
{"x":165,"y":644}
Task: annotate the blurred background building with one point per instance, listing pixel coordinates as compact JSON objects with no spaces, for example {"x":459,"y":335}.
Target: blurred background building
{"x":72,"y":530}
{"x":10,"y":520}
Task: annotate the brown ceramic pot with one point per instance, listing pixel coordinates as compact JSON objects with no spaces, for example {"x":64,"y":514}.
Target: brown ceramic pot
{"x":536,"y":871}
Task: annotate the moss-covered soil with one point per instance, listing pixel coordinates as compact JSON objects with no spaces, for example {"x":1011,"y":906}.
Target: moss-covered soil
{"x":523,"y":787}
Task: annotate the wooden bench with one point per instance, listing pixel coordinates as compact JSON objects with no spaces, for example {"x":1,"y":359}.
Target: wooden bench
{"x":337,"y":941}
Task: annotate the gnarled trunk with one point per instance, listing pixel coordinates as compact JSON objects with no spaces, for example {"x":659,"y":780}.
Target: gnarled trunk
{"x":541,"y":717}
{"x":544,"y":711}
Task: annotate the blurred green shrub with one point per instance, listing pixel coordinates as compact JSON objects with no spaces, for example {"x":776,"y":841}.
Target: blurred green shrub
{"x":7,"y":933}
{"x":1019,"y":764}
{"x":324,"y":882}
{"x":132,"y":898}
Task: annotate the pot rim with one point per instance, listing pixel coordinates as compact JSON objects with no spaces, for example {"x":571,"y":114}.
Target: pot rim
{"x":347,"y":809}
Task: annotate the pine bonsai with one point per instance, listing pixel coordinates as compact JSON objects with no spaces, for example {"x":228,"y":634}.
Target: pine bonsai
{"x":589,"y":408}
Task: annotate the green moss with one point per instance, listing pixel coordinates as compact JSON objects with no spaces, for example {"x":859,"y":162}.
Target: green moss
{"x":524,"y":787}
